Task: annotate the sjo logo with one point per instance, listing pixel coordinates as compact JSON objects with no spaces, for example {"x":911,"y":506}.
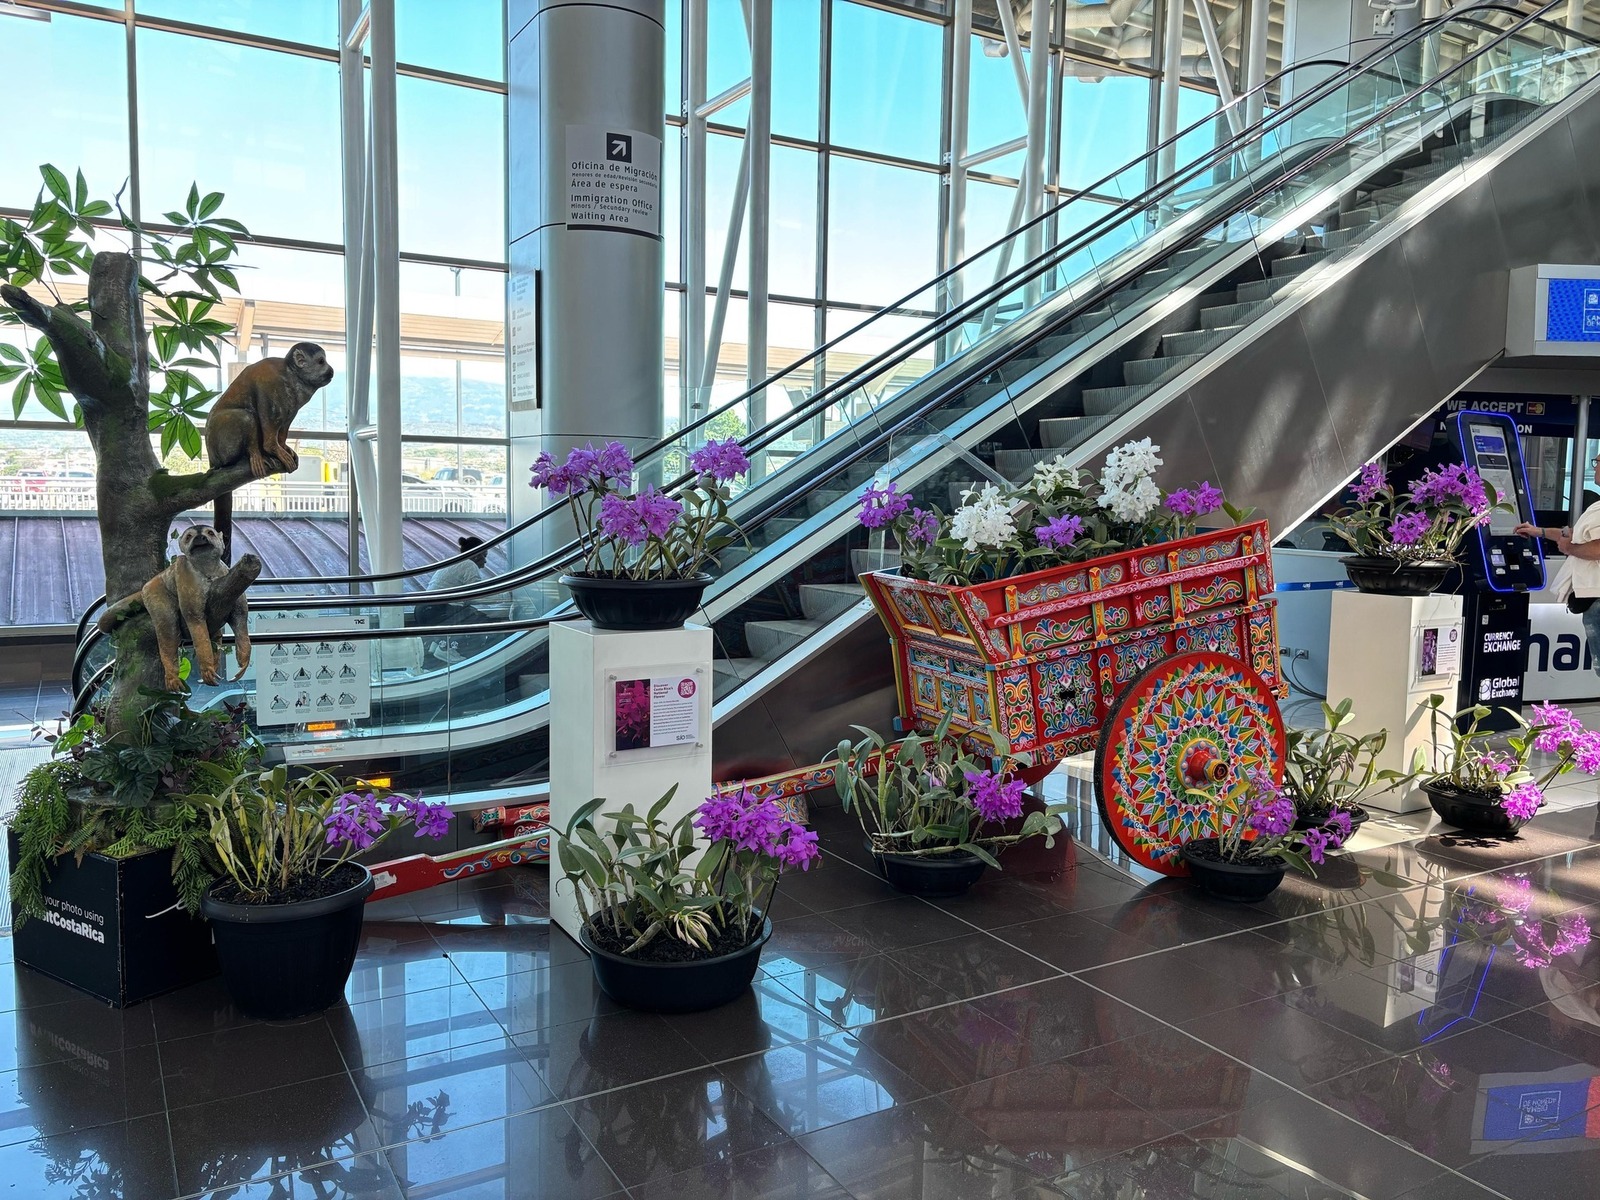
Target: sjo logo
{"x":619,"y":147}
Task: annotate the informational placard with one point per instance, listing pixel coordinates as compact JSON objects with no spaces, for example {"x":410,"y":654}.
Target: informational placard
{"x":323,"y":678}
{"x":656,"y":712}
{"x":613,"y":180}
{"x":522,"y":334}
{"x":1438,"y":651}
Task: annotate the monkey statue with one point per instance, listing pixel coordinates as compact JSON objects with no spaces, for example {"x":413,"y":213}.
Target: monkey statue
{"x":177,"y":600}
{"x":251,"y":420}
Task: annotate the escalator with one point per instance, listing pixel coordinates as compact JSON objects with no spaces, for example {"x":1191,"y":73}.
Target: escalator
{"x":1288,"y":300}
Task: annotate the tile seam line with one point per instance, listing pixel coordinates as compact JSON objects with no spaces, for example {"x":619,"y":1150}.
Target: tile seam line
{"x":1304,"y":1096}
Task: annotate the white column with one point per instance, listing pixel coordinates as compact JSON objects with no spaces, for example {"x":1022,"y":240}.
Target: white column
{"x":1171,"y":81}
{"x":385,"y":546}
{"x":758,"y":136}
{"x":586,"y":112}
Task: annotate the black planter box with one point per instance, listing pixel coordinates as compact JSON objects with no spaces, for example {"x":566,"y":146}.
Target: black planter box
{"x":111,"y":929}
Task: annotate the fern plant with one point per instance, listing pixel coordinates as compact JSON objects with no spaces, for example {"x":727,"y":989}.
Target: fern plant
{"x":101,"y":795}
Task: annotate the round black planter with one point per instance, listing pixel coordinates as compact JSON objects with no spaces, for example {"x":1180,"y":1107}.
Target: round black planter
{"x":931,"y":874}
{"x":1386,"y":577}
{"x":1471,"y":812}
{"x":1358,"y":817}
{"x":286,"y":960}
{"x":676,"y":987}
{"x":1245,"y":882}
{"x":611,"y":603}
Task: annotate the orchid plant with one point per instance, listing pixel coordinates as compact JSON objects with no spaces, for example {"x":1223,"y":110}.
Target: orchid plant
{"x":1469,"y":758}
{"x":1500,"y":910}
{"x":638,"y":890}
{"x":1328,"y":769}
{"x":272,"y":831}
{"x":1423,"y":524}
{"x":923,"y":796}
{"x":1059,"y":515}
{"x":647,"y":534}
{"x":1264,"y":827}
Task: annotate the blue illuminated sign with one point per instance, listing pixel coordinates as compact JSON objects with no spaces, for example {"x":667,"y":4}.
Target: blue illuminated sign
{"x":1573,"y":311}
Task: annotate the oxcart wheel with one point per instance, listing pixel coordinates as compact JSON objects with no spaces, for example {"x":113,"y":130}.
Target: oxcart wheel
{"x":1199,"y":720}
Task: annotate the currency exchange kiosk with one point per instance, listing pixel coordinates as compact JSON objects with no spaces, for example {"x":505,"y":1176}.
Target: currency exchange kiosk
{"x":1500,"y":568}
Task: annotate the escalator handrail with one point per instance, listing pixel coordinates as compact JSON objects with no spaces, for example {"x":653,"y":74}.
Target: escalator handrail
{"x":1346,"y":68}
{"x":898,"y":306}
{"x":808,"y":487}
{"x":542,"y":568}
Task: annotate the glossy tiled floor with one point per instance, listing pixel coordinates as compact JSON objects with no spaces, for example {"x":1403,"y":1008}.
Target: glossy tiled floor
{"x":1067,"y":1029}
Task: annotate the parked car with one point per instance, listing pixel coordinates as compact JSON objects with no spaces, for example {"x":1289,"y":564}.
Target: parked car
{"x":458,"y":475}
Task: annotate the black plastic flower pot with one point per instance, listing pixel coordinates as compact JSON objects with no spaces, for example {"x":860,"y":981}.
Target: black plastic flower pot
{"x":1358,"y":817}
{"x":634,"y":604}
{"x":1389,"y":577}
{"x":675,"y":987}
{"x":1245,"y":882}
{"x":1471,"y":812}
{"x":287,"y":960}
{"x":931,"y":875}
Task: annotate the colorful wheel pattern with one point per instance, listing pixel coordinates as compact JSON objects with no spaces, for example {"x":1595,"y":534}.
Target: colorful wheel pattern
{"x":1198,"y":720}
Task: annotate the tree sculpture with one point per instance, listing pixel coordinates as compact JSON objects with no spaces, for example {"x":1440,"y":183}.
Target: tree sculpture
{"x":100,"y":351}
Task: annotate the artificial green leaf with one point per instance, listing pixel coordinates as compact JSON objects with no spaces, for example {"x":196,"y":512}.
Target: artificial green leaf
{"x":57,"y":183}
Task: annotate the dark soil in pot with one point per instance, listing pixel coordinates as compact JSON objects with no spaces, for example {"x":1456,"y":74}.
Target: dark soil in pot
{"x":1358,"y":817}
{"x":668,"y":986}
{"x":1471,"y":812}
{"x":1246,"y":881}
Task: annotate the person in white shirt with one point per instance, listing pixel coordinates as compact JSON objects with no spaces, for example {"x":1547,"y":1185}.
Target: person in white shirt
{"x":468,"y":570}
{"x":461,"y":574}
{"x":1578,"y":582}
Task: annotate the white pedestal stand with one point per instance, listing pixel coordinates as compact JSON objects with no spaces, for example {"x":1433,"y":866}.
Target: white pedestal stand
{"x":1382,"y":657}
{"x":586,"y":664}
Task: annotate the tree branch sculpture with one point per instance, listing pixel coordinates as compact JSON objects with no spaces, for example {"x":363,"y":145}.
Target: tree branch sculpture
{"x":104,"y":356}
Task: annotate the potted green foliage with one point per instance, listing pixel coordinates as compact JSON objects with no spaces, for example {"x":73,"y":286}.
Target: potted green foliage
{"x":935,"y":816}
{"x":645,"y":552}
{"x":1480,"y":782}
{"x":1328,"y":770}
{"x":1257,"y":841}
{"x":110,"y":855}
{"x":287,"y":908}
{"x":674,"y":922}
{"x":1405,"y":542}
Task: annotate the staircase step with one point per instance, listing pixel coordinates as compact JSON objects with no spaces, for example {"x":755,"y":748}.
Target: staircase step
{"x":1196,"y":341}
{"x":825,"y":601}
{"x":1061,"y":433}
{"x":865,"y":558}
{"x":1337,"y":239}
{"x":1142,"y":371}
{"x":1296,"y":264}
{"x":1017,"y":465}
{"x":1263,"y":289}
{"x":1424,"y":174}
{"x":1232,"y":314}
{"x":1152,"y":278}
{"x":729,"y":673}
{"x":773,"y":639}
{"x":1356,"y":218}
{"x":1099,"y":402}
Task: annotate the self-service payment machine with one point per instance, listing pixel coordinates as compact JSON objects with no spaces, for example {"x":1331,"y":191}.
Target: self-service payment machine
{"x":1500,"y":569}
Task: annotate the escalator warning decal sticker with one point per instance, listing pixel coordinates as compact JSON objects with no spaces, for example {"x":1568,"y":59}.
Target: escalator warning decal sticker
{"x":294,"y":695}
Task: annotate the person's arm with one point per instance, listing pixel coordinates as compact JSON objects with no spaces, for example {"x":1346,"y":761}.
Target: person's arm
{"x":1584,"y":550}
